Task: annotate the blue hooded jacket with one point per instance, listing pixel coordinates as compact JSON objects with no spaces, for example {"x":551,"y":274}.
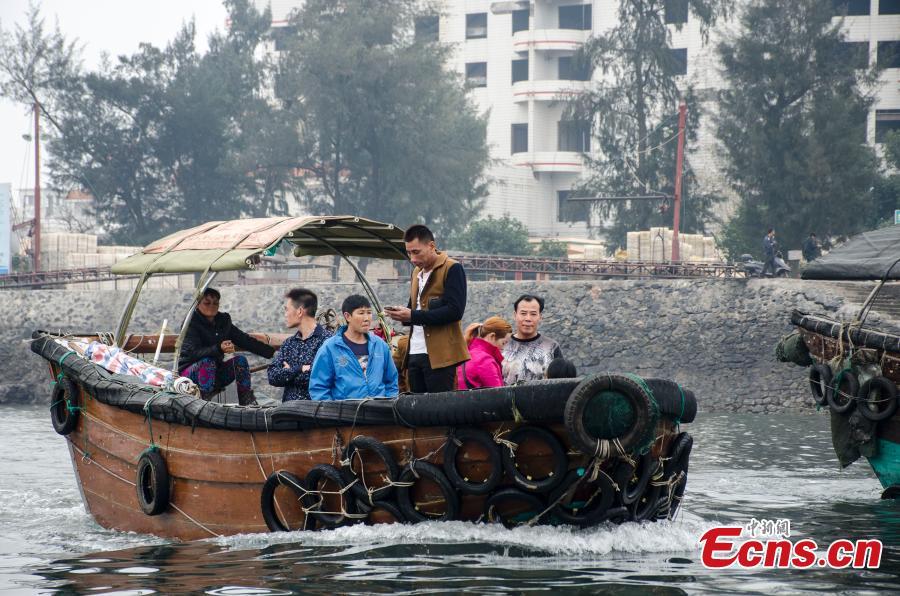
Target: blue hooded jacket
{"x":336,"y":373}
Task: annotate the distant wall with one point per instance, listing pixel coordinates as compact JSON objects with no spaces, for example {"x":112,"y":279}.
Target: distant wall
{"x":715,"y":337}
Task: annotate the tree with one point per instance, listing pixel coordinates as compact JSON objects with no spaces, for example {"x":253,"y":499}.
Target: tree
{"x":387,"y":128}
{"x":633,"y":110}
{"x":792,"y":122}
{"x":552,"y":248}
{"x":503,"y":236}
{"x":887,"y":188}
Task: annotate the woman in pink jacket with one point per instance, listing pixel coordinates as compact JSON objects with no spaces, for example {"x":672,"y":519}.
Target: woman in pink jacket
{"x":485,"y":342}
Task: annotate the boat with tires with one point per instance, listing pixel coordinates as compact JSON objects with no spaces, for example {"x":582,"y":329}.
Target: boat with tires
{"x":152,"y":456}
{"x":854,"y":366}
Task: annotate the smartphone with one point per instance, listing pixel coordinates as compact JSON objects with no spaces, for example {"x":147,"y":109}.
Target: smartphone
{"x":392,"y":307}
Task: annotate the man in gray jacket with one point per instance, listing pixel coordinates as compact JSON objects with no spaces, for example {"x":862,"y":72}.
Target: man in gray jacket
{"x":528,"y":353}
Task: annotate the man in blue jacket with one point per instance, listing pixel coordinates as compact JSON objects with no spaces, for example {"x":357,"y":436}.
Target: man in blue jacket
{"x":354,"y":364}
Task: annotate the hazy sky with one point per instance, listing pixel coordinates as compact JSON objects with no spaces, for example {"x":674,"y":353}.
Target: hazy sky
{"x":112,"y":26}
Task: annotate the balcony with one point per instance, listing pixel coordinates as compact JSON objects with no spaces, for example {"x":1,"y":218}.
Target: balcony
{"x":550,"y":40}
{"x":570,"y":162}
{"x":551,"y":90}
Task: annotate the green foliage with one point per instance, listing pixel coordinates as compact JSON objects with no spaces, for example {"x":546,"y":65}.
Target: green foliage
{"x":552,"y":248}
{"x":792,"y":123}
{"x":387,"y":128}
{"x":635,"y":119}
{"x":503,"y":236}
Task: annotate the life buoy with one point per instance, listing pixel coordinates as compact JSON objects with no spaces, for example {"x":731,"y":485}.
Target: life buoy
{"x":843,"y":391}
{"x":590,"y":401}
{"x":415,"y":473}
{"x":557,"y":453}
{"x":63,"y":406}
{"x":632,"y":480}
{"x":819,"y":381}
{"x":526,"y":506}
{"x":315,"y":500}
{"x":267,"y":501}
{"x":361,"y":488}
{"x":581,"y":502}
{"x":878,"y":399}
{"x":152,"y":482}
{"x":484,"y":441}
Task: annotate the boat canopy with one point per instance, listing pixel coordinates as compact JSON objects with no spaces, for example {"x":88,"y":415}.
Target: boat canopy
{"x":867,"y":256}
{"x":239,"y":244}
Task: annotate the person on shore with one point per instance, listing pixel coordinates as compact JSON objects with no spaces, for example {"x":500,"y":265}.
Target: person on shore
{"x":292,"y":364}
{"x":437,"y":301}
{"x":485,"y":341}
{"x":528,"y":353}
{"x":770,"y":247}
{"x":353,"y":364}
{"x":811,"y":250}
{"x":209,"y":338}
{"x":560,"y":368}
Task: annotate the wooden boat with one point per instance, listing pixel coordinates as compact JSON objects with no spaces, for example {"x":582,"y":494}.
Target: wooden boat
{"x":162,"y":460}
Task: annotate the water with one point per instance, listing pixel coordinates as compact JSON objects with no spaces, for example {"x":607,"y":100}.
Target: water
{"x":742,"y":466}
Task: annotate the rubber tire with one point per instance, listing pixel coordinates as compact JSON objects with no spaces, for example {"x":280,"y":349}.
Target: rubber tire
{"x":586,"y":391}
{"x":327,"y":472}
{"x":510,"y":494}
{"x":267,"y":500}
{"x":819,"y":383}
{"x":623,"y":475}
{"x":646,"y":506}
{"x":64,"y":392}
{"x":388,"y":506}
{"x":678,"y":462}
{"x":888,"y":392}
{"x":560,"y":460}
{"x":848,"y":380}
{"x":152,"y":483}
{"x":485,"y":440}
{"x":595,"y":513}
{"x":364,"y":443}
{"x":433,"y":473}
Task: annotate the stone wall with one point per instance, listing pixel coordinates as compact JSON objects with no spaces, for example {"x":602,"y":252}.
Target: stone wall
{"x":716,"y":337}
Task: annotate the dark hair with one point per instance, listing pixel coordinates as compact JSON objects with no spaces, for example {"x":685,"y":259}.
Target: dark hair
{"x":418,"y":232}
{"x":560,"y":368}
{"x":354,"y":301}
{"x":529,"y":298}
{"x":303,"y":298}
{"x":770,"y":230}
{"x":211,"y":292}
{"x":813,"y":234}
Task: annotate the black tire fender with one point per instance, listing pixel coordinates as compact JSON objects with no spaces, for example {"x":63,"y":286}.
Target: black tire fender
{"x":632,"y":481}
{"x":267,"y":500}
{"x":558,"y":453}
{"x":388,"y":507}
{"x":422,"y":469}
{"x":152,"y":482}
{"x":531,"y":500}
{"x":885,"y":399}
{"x":359,"y":489}
{"x":678,"y":462}
{"x":589,"y":389}
{"x":455,"y":441}
{"x":646,"y":506}
{"x":819,"y":382}
{"x":65,"y":394}
{"x":842,"y":396}
{"x":317,"y":474}
{"x":591,"y":512}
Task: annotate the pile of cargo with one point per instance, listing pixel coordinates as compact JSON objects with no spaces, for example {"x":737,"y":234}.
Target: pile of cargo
{"x":655,"y":245}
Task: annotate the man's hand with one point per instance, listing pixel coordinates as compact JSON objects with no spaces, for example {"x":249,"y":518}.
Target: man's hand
{"x":306,"y":368}
{"x":401,"y":314}
{"x":227,"y":347}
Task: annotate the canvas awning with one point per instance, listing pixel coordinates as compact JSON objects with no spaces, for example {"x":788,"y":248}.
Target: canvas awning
{"x":866,"y":256}
{"x":238,"y":244}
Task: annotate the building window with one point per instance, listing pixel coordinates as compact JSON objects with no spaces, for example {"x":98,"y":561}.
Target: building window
{"x":476,"y":25}
{"x":889,"y":54}
{"x":854,"y":53}
{"x":888,"y":7}
{"x":574,"y":135}
{"x":476,"y":74}
{"x":851,"y":8}
{"x":519,"y":138}
{"x":520,"y":20}
{"x":519,"y":70}
{"x":676,"y":12}
{"x":575,"y":16}
{"x":428,"y":28}
{"x":679,"y":60}
{"x":571,"y":211}
{"x":885,"y":122}
{"x":572,"y":69}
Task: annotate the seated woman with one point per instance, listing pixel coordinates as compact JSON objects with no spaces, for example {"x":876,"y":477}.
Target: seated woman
{"x":209,"y":337}
{"x":485,"y":342}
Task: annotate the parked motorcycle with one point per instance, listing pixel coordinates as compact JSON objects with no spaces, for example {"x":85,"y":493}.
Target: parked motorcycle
{"x":753,"y":268}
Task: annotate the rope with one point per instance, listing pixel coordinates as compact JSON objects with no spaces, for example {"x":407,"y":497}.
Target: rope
{"x":505,"y":442}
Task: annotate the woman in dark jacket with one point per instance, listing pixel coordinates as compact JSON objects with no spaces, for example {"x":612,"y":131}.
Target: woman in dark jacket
{"x":209,"y":337}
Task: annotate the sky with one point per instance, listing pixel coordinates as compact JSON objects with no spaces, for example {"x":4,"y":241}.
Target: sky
{"x":115,"y":27}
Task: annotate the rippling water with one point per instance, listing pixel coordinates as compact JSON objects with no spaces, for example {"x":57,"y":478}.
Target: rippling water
{"x":742,"y":466}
